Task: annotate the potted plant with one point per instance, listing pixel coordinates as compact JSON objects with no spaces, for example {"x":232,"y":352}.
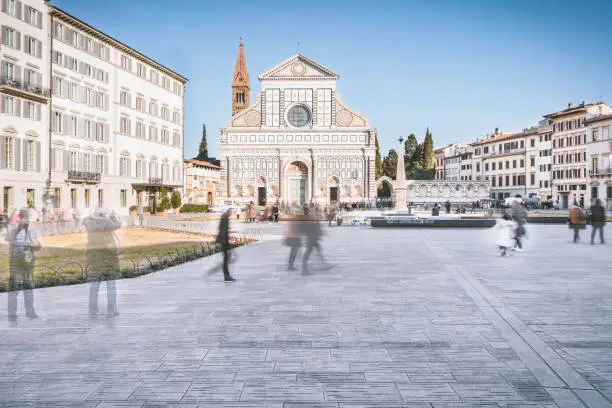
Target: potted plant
{"x":146,"y":210}
{"x":133,"y":209}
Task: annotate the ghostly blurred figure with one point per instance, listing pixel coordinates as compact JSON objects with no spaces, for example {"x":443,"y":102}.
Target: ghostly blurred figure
{"x":293,"y":240}
{"x":103,"y":249}
{"x":507,"y":229}
{"x":23,"y":241}
{"x":223,"y":241}
{"x":313,"y":234}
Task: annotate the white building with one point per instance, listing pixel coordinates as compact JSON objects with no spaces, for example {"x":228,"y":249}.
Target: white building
{"x":116,"y":115}
{"x":298,"y":142}
{"x":457,"y":162}
{"x":569,"y":138}
{"x":24,"y":99}
{"x":201,"y":182}
{"x":502,"y":159}
{"x":599,"y":157}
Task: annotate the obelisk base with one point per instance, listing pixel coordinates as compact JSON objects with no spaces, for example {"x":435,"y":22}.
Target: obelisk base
{"x":400,"y":200}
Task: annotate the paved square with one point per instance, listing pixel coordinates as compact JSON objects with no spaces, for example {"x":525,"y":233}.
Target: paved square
{"x":408,"y":318}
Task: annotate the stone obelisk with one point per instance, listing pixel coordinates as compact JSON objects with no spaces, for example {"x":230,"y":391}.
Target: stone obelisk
{"x":400,"y":180}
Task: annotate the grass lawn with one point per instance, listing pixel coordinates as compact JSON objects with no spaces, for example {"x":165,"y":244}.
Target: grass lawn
{"x":62,"y":259}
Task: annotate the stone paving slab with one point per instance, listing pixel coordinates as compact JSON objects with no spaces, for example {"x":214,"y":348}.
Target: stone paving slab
{"x":407,"y":318}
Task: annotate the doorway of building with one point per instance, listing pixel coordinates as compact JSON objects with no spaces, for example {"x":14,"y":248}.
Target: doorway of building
{"x":7,"y":200}
{"x":209,"y":199}
{"x":333,"y":194}
{"x":261,"y":196}
{"x":564,"y":201}
{"x":297,"y":174}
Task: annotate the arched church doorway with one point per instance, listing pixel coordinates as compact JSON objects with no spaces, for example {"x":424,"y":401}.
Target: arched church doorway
{"x":297,"y":183}
{"x":261,"y":191}
{"x":333,"y":189}
{"x":384,"y":190}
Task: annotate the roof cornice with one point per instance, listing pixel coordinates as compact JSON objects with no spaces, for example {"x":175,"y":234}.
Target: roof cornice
{"x":64,"y":16}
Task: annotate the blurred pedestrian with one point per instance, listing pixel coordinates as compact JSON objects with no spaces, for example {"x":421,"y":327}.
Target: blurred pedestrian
{"x":293,"y":240}
{"x":598,"y":221}
{"x":3,"y":221}
{"x":577,"y":221}
{"x":103,"y":249}
{"x":313,"y":234}
{"x":224,"y":242}
{"x":519,"y":215}
{"x":23,"y":241}
{"x":251,"y":211}
{"x":507,"y":233}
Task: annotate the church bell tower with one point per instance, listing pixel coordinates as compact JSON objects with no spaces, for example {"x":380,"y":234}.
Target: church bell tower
{"x":241,"y":90}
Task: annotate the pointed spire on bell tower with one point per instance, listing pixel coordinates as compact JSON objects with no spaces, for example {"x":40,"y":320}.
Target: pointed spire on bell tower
{"x":241,"y":89}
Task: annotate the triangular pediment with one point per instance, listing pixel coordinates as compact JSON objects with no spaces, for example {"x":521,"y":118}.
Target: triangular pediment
{"x":299,"y":67}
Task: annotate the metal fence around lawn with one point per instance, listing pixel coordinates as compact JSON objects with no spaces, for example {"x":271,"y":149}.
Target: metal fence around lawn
{"x":74,"y":272}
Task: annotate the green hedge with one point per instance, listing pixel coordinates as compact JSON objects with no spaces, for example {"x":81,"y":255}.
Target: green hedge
{"x":194,"y":208}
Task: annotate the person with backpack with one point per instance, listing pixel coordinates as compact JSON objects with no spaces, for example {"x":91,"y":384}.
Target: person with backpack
{"x":577,"y":221}
{"x":23,"y":241}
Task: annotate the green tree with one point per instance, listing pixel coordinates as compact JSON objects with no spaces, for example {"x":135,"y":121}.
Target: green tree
{"x":203,"y":153}
{"x":390,"y":164}
{"x":164,"y":203}
{"x":428,"y":160}
{"x":175,"y":199}
{"x":410,"y":146}
{"x":417,"y":157}
{"x":378,"y":166}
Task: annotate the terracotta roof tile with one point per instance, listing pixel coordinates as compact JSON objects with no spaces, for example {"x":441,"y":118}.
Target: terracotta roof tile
{"x":202,"y":163}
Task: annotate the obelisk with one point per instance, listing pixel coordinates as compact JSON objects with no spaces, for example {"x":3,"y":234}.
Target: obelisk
{"x":400,"y":180}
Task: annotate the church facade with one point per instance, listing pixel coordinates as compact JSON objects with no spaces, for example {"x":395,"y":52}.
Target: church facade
{"x":299,"y":142}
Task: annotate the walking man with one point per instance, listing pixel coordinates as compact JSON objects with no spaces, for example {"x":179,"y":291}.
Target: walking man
{"x":223,"y":240}
{"x":598,"y":221}
{"x":519,"y":215}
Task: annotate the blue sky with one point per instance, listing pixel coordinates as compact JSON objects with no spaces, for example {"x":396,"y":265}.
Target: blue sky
{"x":462,"y":68}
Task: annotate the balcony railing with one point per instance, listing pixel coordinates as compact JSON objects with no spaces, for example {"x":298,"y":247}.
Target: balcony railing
{"x":86,"y":176}
{"x":599,"y":172}
{"x":506,"y":151}
{"x":156,"y":181}
{"x":24,"y":86}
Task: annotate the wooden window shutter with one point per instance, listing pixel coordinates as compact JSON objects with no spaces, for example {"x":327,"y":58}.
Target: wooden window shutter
{"x":17,"y":146}
{"x":2,"y":146}
{"x":66,"y":160}
{"x":18,"y":9}
{"x":38,"y":158}
{"x":25,"y":156}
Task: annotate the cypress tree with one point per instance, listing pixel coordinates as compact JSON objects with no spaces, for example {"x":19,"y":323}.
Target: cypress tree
{"x":203,"y":153}
{"x":378,"y":165}
{"x":428,"y":160}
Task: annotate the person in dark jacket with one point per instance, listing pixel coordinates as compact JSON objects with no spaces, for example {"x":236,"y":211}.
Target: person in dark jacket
{"x":598,"y":221}
{"x":223,"y":240}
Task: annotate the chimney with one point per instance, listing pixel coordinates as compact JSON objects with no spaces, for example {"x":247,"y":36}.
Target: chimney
{"x":569,"y":105}
{"x":496,"y":131}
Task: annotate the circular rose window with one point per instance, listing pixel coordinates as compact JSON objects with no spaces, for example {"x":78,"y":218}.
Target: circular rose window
{"x":299,"y":116}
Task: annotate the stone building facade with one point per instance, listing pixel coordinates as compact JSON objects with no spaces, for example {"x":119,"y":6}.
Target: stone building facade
{"x":299,"y":142}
